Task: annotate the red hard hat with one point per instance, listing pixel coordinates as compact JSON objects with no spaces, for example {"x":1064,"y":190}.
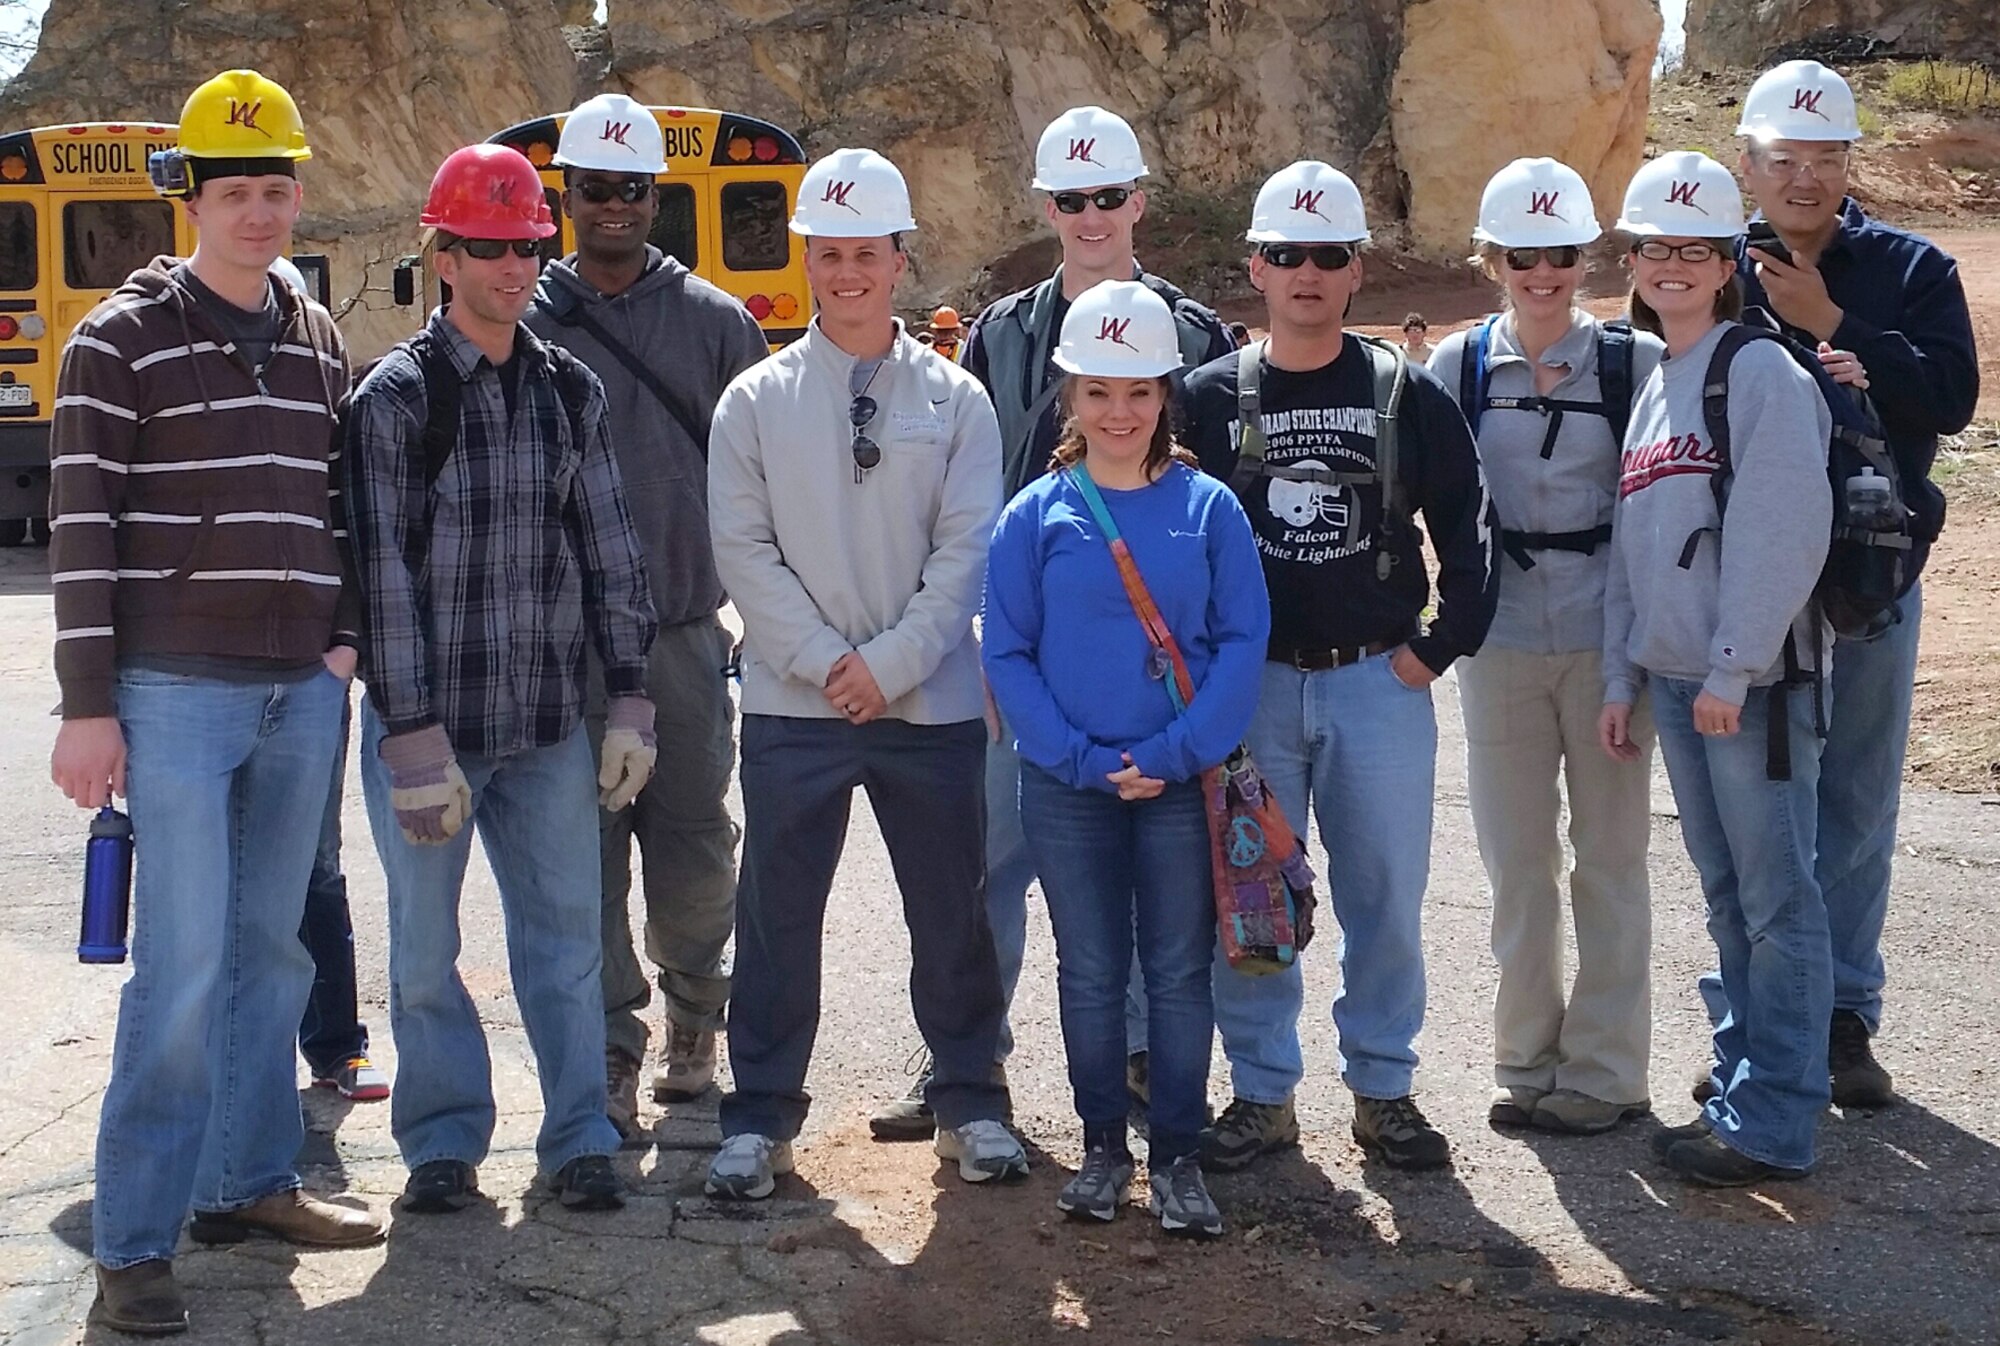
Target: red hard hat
{"x":488,"y":191}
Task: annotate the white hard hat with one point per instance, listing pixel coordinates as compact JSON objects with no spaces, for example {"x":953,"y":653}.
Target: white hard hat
{"x":853,"y":194}
{"x":1119,"y":329}
{"x":1087,"y":147}
{"x":1683,"y":195}
{"x":613,"y":133}
{"x":287,"y":270}
{"x":1537,"y":203}
{"x":1800,"y":100}
{"x":1308,"y":202}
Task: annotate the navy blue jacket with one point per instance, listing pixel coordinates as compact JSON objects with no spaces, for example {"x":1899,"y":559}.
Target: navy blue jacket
{"x":1906,"y":318}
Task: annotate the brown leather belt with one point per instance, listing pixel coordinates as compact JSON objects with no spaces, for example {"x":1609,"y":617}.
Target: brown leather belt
{"x":1311,"y":661}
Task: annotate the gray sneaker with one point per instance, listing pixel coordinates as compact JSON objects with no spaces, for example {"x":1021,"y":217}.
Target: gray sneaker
{"x":1246,"y":1130}
{"x":746,"y":1168}
{"x":908,"y":1117}
{"x":690,"y":1065}
{"x":1579,"y":1114}
{"x":1099,"y":1187}
{"x":983,"y":1149}
{"x":1181,"y":1200}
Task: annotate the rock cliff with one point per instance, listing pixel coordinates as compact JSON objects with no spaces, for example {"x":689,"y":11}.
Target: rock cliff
{"x":1741,"y":33}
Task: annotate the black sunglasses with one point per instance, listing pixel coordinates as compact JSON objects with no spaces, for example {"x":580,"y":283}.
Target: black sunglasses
{"x":493,"y":249}
{"x":629,"y":190}
{"x":1655,"y":251}
{"x":1527,"y":259}
{"x":867,"y":453}
{"x":1292,"y":256}
{"x":1104,"y":198}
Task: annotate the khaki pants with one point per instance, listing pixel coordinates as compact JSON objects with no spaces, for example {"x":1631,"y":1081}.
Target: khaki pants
{"x":1528,"y":716}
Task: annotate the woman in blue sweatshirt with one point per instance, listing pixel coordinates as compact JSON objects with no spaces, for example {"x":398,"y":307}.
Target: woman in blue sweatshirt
{"x":1110,"y":781}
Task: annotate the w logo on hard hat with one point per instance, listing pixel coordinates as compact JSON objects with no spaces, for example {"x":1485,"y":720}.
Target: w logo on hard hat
{"x":500,"y":191}
{"x":1682,"y":194}
{"x":836,"y":194}
{"x":1307,"y":202}
{"x":245,"y":115}
{"x":1544,"y":203}
{"x":1084,"y":151}
{"x":1113,"y":330}
{"x":1807,"y":100}
{"x":615,"y":132}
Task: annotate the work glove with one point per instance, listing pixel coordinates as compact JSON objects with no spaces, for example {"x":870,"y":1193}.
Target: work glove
{"x":426,"y":788}
{"x":630,"y":749}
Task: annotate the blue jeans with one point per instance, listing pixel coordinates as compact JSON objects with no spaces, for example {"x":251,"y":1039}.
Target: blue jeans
{"x":536,"y":815}
{"x":1010,"y":868}
{"x":331,"y":1031}
{"x":226,"y":782}
{"x":1109,"y":867}
{"x":1751,"y":840}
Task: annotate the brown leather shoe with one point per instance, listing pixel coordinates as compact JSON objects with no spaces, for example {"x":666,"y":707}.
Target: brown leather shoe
{"x":143,"y":1299}
{"x":294,"y":1217}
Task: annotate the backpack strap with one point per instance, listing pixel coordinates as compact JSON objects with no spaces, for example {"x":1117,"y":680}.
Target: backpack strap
{"x":1250,"y":442}
{"x":1474,"y":375}
{"x":1715,"y":420}
{"x":1614,"y":375}
{"x":569,"y":312}
{"x":1391,"y":377}
{"x":443,"y":390}
{"x":572,"y":379}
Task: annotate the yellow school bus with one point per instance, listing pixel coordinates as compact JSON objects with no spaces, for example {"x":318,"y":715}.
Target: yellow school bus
{"x":77,"y":216}
{"x":725,"y":201}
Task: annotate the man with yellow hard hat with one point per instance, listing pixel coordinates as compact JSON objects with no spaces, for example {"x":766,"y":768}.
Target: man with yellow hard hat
{"x":204,"y":641}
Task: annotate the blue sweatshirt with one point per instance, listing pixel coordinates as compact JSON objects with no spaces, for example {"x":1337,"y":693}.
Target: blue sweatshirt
{"x":1066,"y":656}
{"x":1905,"y":316}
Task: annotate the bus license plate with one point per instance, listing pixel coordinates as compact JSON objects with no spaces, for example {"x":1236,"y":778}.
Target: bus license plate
{"x":16,"y":395}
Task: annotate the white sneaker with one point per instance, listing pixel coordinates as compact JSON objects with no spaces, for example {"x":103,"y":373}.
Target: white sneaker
{"x":746,"y":1168}
{"x":984,"y":1149}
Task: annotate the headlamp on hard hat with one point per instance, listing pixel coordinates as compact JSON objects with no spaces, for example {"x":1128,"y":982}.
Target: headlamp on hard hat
{"x":172,"y":175}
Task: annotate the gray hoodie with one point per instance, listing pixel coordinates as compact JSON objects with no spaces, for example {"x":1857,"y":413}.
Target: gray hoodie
{"x":695,"y":339}
{"x":1558,"y":606}
{"x":1722,"y":620}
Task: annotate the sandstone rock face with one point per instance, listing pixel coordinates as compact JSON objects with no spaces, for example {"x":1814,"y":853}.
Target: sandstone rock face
{"x":1745,"y":33}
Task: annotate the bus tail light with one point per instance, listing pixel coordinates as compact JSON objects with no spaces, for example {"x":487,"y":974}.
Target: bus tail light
{"x":33,"y":328}
{"x":784,"y":306}
{"x":759,"y":306}
{"x":740,"y":149}
{"x":766,"y":149}
{"x":9,"y":329}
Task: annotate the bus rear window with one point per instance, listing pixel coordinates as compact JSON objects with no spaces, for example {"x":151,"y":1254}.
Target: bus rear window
{"x":18,"y":266}
{"x":754,"y":236}
{"x":106,"y":241}
{"x":674,"y":231}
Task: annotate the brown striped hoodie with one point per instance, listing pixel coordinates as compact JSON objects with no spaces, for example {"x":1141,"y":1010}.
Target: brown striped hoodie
{"x":192,"y":505}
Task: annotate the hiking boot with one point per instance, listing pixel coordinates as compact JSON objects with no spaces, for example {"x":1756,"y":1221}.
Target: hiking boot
{"x":1181,"y":1200}
{"x":690,"y":1064}
{"x":1579,"y":1114}
{"x":621,"y":1091}
{"x":1513,"y":1105}
{"x":588,"y":1182}
{"x":1395,"y":1131}
{"x":293,"y":1217}
{"x":1710,"y":1163}
{"x":1246,"y":1130}
{"x":1664,"y":1140}
{"x":1704,"y":1084}
{"x":908,"y":1117}
{"x":1099,"y":1187}
{"x":1858,"y":1078}
{"x":143,"y":1299}
{"x":984,"y":1149}
{"x":357,"y":1078}
{"x":747,"y":1167}
{"x":440,"y":1187}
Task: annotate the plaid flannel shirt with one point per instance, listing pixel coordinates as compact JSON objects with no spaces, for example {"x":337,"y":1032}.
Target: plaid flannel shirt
{"x":480,"y":588}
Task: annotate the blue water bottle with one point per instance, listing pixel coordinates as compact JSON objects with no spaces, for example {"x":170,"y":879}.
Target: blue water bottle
{"x":107,"y":888}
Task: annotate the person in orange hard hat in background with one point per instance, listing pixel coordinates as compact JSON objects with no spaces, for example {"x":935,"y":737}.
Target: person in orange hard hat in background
{"x":204,"y":640}
{"x":491,"y":538}
{"x":947,"y":332}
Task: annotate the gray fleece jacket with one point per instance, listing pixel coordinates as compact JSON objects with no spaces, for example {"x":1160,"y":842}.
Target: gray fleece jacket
{"x":695,"y":339}
{"x":1722,"y":620}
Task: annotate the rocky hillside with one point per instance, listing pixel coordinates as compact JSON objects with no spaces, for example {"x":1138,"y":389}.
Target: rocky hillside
{"x":1738,"y":33}
{"x":1419,"y":99}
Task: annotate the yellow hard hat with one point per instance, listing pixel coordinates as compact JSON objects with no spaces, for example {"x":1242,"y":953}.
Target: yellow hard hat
{"x":241,"y":115}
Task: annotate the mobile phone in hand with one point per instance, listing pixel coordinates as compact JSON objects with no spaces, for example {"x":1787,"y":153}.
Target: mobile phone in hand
{"x":1765,"y":239}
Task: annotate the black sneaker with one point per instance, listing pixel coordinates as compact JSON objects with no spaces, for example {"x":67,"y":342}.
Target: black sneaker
{"x":1710,"y":1163}
{"x":1664,"y":1140}
{"x":1246,"y":1130}
{"x":1858,"y":1078}
{"x":440,"y":1187}
{"x":588,"y":1182}
{"x":1395,"y":1131}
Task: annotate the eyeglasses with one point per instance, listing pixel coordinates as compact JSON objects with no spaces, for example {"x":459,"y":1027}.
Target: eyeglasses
{"x":1104,"y":198}
{"x":867,"y":453}
{"x":493,"y":249}
{"x":629,"y":190}
{"x":1790,"y":168}
{"x":1655,"y":251}
{"x":1292,"y":256}
{"x":1527,"y":259}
